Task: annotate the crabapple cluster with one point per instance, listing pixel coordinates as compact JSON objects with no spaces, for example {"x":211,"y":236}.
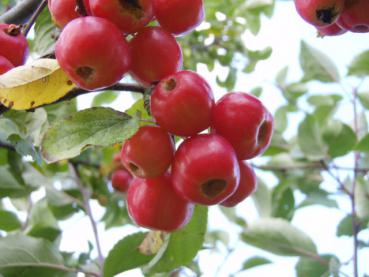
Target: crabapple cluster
{"x":164,"y":182}
{"x":208,"y":167}
{"x":335,"y":17}
{"x":13,"y":47}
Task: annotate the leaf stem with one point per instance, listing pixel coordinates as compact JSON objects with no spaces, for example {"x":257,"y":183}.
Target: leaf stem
{"x":86,"y":194}
{"x":33,"y":18}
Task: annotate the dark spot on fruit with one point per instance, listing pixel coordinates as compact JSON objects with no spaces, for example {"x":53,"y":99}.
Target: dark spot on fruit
{"x":212,"y":188}
{"x":11,"y":104}
{"x":32,"y":103}
{"x":135,"y":169}
{"x":5,"y":100}
{"x":327,"y":15}
{"x":133,"y":7}
{"x":361,"y":29}
{"x":170,"y":84}
{"x":85,"y":72}
{"x":69,"y":83}
{"x":263,"y":132}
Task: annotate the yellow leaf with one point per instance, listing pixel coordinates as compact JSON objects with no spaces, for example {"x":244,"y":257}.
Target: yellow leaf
{"x":30,"y":86}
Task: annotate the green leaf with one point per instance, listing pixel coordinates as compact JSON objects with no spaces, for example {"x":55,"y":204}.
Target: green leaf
{"x":182,"y":246}
{"x":254,"y":262}
{"x":363,"y":144}
{"x":103,"y":98}
{"x":364,"y":99}
{"x":310,"y":140}
{"x":316,"y":65}
{"x":360,"y":65}
{"x":278,"y":236}
{"x":362,"y":199}
{"x":66,"y":138}
{"x":262,"y":198}
{"x":318,"y":197}
{"x":45,"y":34}
{"x":344,"y":228}
{"x":42,"y":223}
{"x":339,"y":138}
{"x":19,"y":253}
{"x":125,"y":255}
{"x":307,"y":267}
{"x":9,"y":221}
{"x":10,"y":186}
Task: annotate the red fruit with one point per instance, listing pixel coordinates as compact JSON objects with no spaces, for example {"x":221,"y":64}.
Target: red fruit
{"x":5,"y":65}
{"x":13,"y":44}
{"x":64,"y":11}
{"x":128,"y":15}
{"x":181,"y":103}
{"x":93,"y":52}
{"x":205,"y":169}
{"x":355,"y":16}
{"x":121,"y":179}
{"x":244,"y":121}
{"x":246,"y":187}
{"x":179,"y":16}
{"x":155,"y":55}
{"x":148,"y":153}
{"x":154,"y":204}
{"x":319,"y":12}
{"x":331,"y":30}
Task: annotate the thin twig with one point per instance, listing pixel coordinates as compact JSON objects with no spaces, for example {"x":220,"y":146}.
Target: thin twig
{"x":86,"y":194}
{"x":34,"y":16}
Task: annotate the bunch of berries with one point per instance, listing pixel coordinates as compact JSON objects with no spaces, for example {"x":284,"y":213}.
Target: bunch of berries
{"x":163,"y":183}
{"x":335,"y":17}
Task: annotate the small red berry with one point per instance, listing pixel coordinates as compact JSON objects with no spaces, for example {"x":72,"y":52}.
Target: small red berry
{"x":246,"y":187}
{"x":148,"y":153}
{"x":64,"y":11}
{"x":128,"y":15}
{"x":181,"y":103}
{"x":154,"y":204}
{"x":355,"y":16}
{"x":319,"y":12}
{"x":244,"y":121}
{"x":179,"y":16}
{"x":205,"y":169}
{"x":93,"y":52}
{"x":13,"y":44}
{"x":5,"y":65}
{"x":121,"y":179}
{"x":155,"y":55}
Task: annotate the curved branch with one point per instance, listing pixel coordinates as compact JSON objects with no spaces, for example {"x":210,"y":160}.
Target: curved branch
{"x":78,"y":91}
{"x":20,"y":13}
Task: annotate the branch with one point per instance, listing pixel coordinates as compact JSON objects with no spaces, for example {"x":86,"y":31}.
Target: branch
{"x":78,"y":91}
{"x":32,"y":20}
{"x":20,"y":13}
{"x":86,"y":194}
